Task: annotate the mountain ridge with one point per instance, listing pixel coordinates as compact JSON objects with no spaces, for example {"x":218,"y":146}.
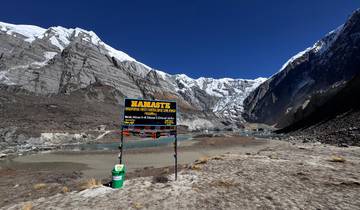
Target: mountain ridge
{"x":323,"y":68}
{"x":24,"y":29}
{"x":60,"y":61}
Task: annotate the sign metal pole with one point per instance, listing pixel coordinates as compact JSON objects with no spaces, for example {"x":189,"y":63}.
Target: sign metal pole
{"x":175,"y":155}
{"x":121,"y":144}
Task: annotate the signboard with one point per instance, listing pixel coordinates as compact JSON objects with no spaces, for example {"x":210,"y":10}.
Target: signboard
{"x":140,"y":112}
{"x":155,"y":117}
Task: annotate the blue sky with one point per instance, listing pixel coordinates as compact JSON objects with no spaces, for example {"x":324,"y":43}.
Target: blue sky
{"x":240,"y":39}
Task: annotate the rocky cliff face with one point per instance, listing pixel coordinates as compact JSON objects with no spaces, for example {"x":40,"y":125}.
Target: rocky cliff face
{"x":58,"y":61}
{"x":335,"y":121}
{"x":321,"y":70}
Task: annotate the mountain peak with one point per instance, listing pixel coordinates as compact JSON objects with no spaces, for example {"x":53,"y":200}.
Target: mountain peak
{"x":61,"y":37}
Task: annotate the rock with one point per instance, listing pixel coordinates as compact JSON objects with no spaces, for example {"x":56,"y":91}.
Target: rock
{"x":160,"y":179}
{"x":343,"y":145}
{"x":337,"y":159}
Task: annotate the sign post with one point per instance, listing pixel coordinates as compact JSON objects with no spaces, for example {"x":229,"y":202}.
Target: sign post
{"x":175,"y":155}
{"x":121,"y":147}
{"x":150,"y":114}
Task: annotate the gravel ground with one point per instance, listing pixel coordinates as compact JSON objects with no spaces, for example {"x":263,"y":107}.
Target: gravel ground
{"x":281,"y":176}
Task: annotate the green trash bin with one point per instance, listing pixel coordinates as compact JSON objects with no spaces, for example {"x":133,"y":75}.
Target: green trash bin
{"x":118,"y":176}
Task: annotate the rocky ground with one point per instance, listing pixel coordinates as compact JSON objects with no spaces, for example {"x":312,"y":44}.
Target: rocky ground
{"x":22,"y":185}
{"x":281,"y":176}
{"x":342,"y":130}
{"x":334,"y":122}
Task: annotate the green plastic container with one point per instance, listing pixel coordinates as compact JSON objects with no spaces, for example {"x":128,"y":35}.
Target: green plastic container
{"x":118,"y":176}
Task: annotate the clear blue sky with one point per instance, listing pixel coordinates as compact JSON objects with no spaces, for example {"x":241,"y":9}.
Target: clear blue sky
{"x":224,"y":38}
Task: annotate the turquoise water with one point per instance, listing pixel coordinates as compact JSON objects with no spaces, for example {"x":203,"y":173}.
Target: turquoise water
{"x":132,"y":144}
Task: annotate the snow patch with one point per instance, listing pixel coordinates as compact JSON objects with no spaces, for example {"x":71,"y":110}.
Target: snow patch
{"x":288,"y":110}
{"x":319,"y":47}
{"x":58,"y":138}
{"x":121,"y":56}
{"x":305,"y":104}
{"x":162,"y":74}
{"x":197,"y":124}
{"x":102,"y":135}
{"x":322,"y":45}
{"x":4,"y":79}
{"x":295,"y":57}
{"x":28,"y":31}
{"x":55,"y":42}
{"x":48,"y":56}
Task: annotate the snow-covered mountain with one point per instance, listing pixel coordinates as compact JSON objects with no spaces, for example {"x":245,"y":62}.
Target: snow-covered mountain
{"x":230,"y":92}
{"x":58,"y":60}
{"x":308,"y":79}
